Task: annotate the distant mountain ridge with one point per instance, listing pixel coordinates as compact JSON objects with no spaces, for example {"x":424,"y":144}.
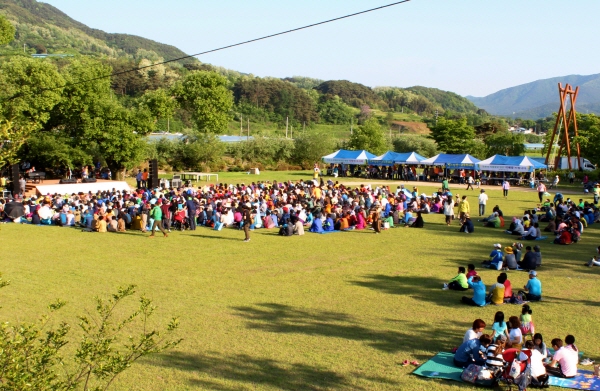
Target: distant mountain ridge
{"x":540,"y":98}
{"x":44,"y":27}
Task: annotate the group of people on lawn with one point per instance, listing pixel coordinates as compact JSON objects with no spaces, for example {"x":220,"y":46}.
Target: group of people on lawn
{"x":488,"y":350}
{"x":499,"y":293}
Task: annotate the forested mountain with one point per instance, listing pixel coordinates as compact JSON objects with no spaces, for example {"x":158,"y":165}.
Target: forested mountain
{"x":43,"y":27}
{"x":540,"y":98}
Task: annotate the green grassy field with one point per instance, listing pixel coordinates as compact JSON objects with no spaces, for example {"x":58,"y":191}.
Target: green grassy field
{"x":318,"y":312}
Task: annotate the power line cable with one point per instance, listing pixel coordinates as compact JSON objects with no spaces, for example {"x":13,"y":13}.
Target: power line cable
{"x":219,"y":49}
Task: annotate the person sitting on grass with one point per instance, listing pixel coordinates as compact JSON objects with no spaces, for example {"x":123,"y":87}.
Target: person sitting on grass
{"x":494,"y":221}
{"x":459,"y":282}
{"x":468,"y":226}
{"x":595,"y":261}
{"x":529,"y":260}
{"x":534,"y":287}
{"x":470,"y":352}
{"x":494,"y":358}
{"x":496,"y":258}
{"x":508,"y":293}
{"x":471,"y":271}
{"x":515,"y":337}
{"x":476,"y":331}
{"x":329,"y":225}
{"x":317,"y":225}
{"x":538,"y":371}
{"x":510,"y":261}
{"x":516,"y":228}
{"x":496,"y":295}
{"x":418,"y":223}
{"x":565,"y":359}
{"x":479,"y":291}
{"x":533,"y":233}
{"x":551,"y":227}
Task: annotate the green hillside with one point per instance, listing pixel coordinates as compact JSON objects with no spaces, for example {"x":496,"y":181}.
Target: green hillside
{"x":540,"y":98}
{"x":42,"y":27}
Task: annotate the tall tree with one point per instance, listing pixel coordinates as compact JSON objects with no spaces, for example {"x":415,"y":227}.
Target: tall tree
{"x":160,"y":103}
{"x":505,"y":143}
{"x":29,"y":89}
{"x":7,"y":31}
{"x":453,"y":135}
{"x":206,"y":95}
{"x":369,"y":136}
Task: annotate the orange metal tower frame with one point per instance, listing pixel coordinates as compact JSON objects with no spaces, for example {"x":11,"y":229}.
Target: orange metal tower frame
{"x":565,"y":120}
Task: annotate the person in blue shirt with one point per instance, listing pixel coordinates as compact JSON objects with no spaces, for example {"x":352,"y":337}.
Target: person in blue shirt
{"x":533,"y":287}
{"x":317,"y":226}
{"x":496,"y":258}
{"x":329,"y":224}
{"x":470,"y":352}
{"x":479,"y":291}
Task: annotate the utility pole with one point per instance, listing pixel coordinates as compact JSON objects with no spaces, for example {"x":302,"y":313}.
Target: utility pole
{"x":286,"y":126}
{"x":351,"y":123}
{"x":436,"y":116}
{"x":248,"y":136}
{"x":24,"y":45}
{"x":304,"y":127}
{"x":292,"y":134}
{"x":241,"y":125}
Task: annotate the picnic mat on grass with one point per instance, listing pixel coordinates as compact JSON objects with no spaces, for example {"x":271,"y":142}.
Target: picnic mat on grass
{"x":440,"y":366}
{"x":585,"y":380}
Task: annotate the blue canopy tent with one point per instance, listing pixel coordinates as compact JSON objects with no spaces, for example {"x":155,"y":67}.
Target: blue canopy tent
{"x":510,"y":164}
{"x":465,"y":161}
{"x":348,"y":157}
{"x":391,"y":158}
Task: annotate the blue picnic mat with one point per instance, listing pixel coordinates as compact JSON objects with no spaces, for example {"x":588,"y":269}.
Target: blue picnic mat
{"x":585,"y":380}
{"x":440,"y":366}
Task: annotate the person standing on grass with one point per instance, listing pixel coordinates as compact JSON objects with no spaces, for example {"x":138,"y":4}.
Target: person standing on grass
{"x":448,"y":209}
{"x":470,"y":182}
{"x":541,"y":189}
{"x":596,"y":193}
{"x":247,"y":218}
{"x":463,"y":209}
{"x":505,"y":188}
{"x":156,"y":214}
{"x":571,"y":177}
{"x":483,"y":198}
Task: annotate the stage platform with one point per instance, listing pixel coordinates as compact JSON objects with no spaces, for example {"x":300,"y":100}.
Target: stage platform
{"x":53,"y":186}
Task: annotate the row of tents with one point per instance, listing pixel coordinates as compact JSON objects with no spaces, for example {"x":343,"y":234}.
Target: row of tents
{"x":449,"y":161}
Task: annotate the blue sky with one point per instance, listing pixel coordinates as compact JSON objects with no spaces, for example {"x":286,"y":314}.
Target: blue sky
{"x":471,"y":47}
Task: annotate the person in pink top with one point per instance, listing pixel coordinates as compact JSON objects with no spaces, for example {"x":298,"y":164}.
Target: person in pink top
{"x":360,"y":218}
{"x":541,"y":189}
{"x":471,"y":271}
{"x":508,"y":293}
{"x":505,"y":188}
{"x":565,"y":359}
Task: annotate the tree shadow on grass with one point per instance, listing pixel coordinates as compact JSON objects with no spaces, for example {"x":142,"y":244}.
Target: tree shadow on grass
{"x":427,"y":289}
{"x":407,"y":336}
{"x":254,"y":372}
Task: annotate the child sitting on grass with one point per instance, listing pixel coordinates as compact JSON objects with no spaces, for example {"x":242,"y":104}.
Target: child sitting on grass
{"x":458,"y":283}
{"x":515,"y":337}
{"x":499,"y":327}
{"x":471,"y":270}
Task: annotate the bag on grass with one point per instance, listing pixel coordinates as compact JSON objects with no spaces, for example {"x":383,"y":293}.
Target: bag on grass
{"x":470,"y":373}
{"x":515,"y":369}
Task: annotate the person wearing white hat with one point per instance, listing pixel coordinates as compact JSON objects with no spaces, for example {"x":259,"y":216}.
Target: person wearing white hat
{"x":496,"y":258}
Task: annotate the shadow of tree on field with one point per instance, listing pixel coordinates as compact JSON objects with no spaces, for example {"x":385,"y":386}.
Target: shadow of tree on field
{"x":427,"y":289}
{"x":406,"y":336}
{"x":254,"y":372}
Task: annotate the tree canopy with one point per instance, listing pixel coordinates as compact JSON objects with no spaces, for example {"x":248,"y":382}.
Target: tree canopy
{"x":369,"y":136}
